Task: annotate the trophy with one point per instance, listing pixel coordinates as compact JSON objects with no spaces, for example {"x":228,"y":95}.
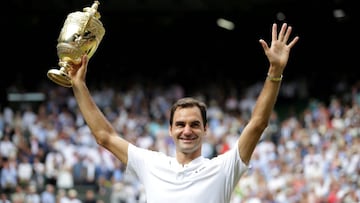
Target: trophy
{"x":81,"y":34}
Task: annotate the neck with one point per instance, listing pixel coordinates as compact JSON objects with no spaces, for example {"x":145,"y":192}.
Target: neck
{"x":185,"y":158}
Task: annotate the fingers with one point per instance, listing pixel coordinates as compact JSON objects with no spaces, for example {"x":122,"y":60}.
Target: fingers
{"x":282,"y":31}
{"x":84,"y":60}
{"x":283,"y":36}
{"x":285,"y":33}
{"x":293,"y":42}
{"x":274,"y":32}
{"x":264,"y":44}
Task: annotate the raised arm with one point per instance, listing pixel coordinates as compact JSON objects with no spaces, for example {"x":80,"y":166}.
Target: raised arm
{"x":277,"y":54}
{"x":100,"y":127}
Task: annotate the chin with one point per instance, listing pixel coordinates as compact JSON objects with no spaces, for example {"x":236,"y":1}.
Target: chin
{"x":188,"y":148}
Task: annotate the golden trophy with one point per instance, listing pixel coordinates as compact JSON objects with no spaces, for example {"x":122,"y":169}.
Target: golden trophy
{"x":81,"y":34}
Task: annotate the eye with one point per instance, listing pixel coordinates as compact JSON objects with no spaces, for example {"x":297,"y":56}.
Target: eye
{"x":180,"y":124}
{"x":195,"y":124}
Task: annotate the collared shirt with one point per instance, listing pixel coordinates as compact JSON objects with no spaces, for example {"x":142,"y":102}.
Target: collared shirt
{"x":202,"y":180}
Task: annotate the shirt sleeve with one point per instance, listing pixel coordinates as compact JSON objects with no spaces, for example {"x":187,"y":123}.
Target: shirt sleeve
{"x":234,"y":167}
{"x":139,"y":161}
{"x":135,"y":161}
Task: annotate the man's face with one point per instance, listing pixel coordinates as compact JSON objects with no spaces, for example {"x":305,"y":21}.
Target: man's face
{"x":187,"y":130}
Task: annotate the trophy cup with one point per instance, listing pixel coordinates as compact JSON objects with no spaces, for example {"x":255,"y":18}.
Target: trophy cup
{"x":81,"y":34}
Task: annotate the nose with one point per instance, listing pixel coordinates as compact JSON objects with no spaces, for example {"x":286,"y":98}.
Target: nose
{"x":187,"y":130}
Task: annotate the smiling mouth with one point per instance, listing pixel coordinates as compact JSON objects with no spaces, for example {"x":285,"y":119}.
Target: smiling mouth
{"x":187,"y":139}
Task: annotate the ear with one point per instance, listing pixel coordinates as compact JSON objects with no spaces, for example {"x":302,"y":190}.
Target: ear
{"x":206,"y":129}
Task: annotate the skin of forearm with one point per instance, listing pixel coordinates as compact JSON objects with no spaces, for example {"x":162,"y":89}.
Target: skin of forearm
{"x":98,"y":124}
{"x":259,"y":120}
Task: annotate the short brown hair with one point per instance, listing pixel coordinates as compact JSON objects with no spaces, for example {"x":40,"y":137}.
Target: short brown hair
{"x":189,"y":102}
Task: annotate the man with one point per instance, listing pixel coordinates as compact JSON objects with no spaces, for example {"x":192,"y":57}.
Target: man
{"x":188,"y":177}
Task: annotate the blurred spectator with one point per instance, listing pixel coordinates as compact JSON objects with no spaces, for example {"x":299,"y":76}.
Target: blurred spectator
{"x":61,"y":196}
{"x":24,"y":171}
{"x":65,"y":179}
{"x":39,"y":173}
{"x":90,"y":196}
{"x":79,"y":170}
{"x":72,"y":197}
{"x":32,"y":196}
{"x":53,"y":162}
{"x":48,"y":195}
{"x":19,"y":195}
{"x":7,"y":147}
{"x":8,"y":176}
{"x":4,"y":198}
{"x":122,"y":193}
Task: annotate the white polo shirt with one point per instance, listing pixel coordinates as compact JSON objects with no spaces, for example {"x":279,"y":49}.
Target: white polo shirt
{"x":201,"y":181}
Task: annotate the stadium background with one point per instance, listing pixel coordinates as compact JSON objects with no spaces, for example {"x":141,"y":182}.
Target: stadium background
{"x":178,"y":40}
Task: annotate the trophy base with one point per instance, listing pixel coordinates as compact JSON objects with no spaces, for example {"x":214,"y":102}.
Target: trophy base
{"x":59,"y":77}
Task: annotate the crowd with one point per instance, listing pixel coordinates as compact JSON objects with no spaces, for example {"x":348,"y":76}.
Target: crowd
{"x":47,"y":150}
